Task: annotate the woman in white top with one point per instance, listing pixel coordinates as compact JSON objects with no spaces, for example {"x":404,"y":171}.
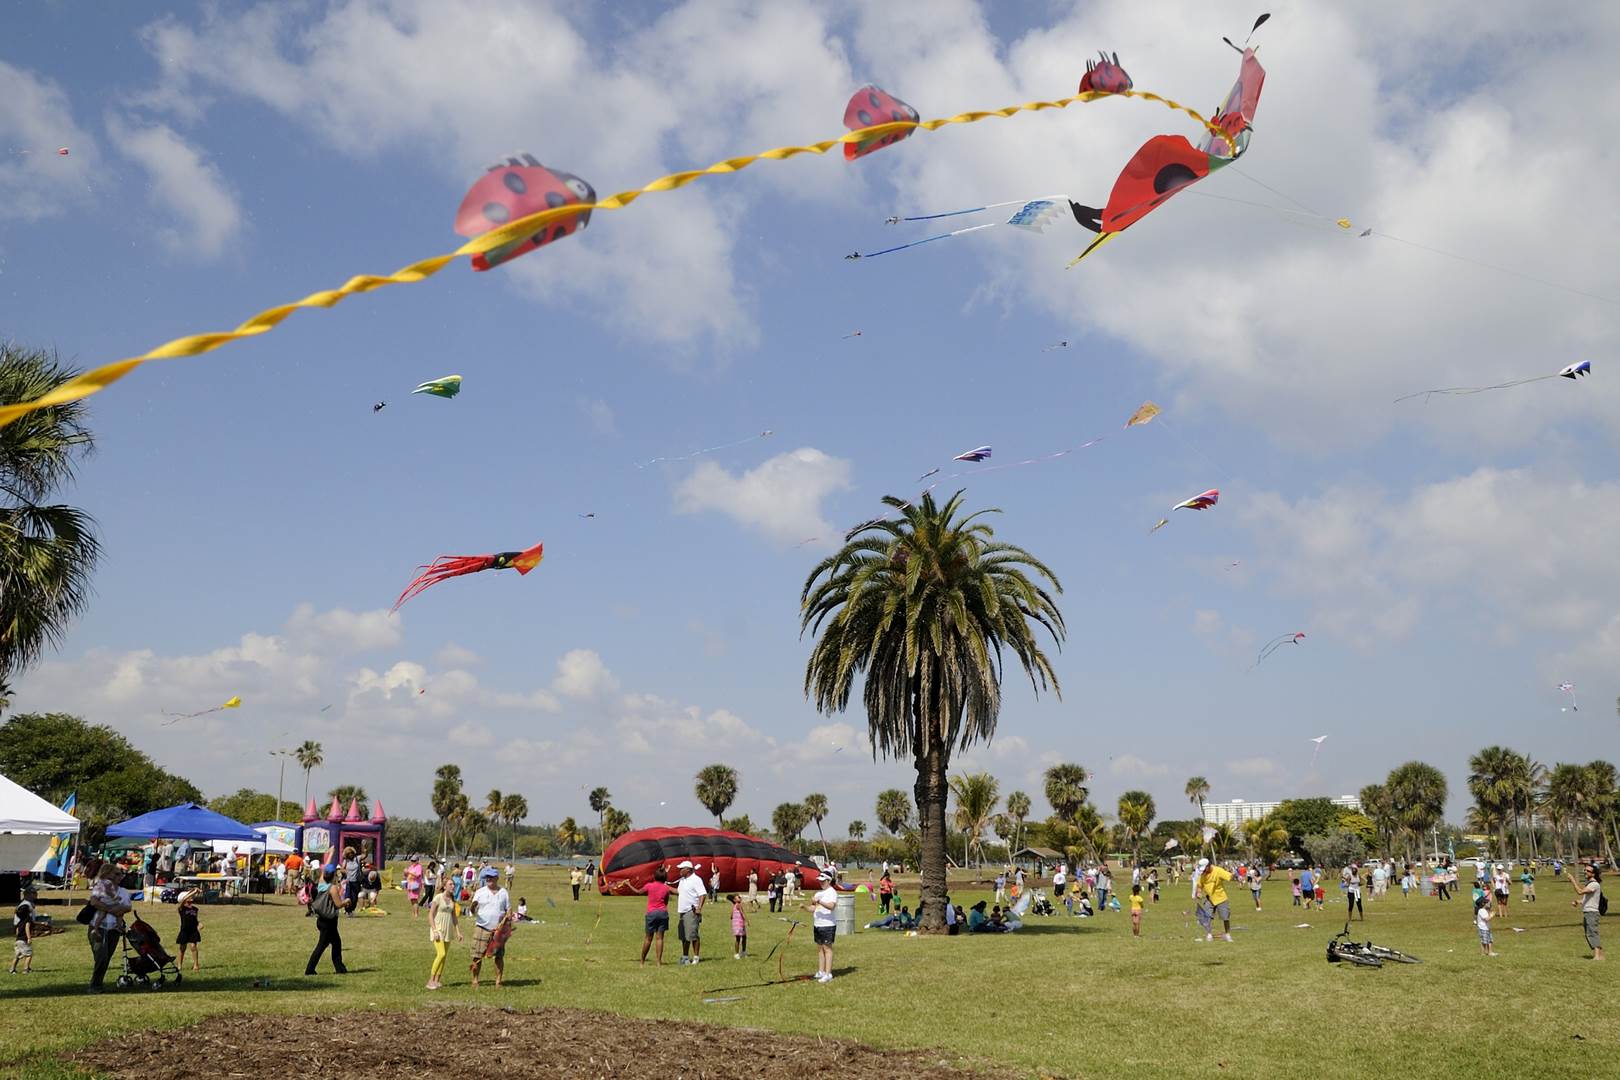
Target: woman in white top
{"x":824,"y":905}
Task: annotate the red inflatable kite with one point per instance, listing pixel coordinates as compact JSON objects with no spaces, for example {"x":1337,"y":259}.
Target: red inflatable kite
{"x":870,"y":106}
{"x":633,"y":857}
{"x":515,"y":188}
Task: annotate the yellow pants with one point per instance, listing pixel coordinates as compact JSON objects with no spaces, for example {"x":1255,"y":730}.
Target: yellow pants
{"x":440,"y":950}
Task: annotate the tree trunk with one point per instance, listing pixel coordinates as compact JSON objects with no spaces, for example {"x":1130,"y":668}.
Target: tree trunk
{"x":930,"y":791}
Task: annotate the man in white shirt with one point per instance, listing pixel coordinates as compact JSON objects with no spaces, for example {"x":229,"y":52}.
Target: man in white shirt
{"x":491,"y":905}
{"x":1060,"y":880}
{"x":824,"y":922}
{"x":691,"y":896}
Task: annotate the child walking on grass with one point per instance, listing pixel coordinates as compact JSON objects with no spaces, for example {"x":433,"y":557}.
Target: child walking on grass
{"x":1136,"y":911}
{"x":739,"y":928}
{"x":190,"y":933}
{"x":1482,"y":920}
{"x":1297,"y":895}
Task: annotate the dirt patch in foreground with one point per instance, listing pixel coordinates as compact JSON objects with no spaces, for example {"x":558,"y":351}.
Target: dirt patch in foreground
{"x":543,"y":1043}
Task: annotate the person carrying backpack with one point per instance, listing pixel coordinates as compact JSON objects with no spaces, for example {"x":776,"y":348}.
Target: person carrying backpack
{"x":1592,"y":904}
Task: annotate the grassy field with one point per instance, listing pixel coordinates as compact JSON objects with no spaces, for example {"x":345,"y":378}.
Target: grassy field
{"x":1065,"y":997}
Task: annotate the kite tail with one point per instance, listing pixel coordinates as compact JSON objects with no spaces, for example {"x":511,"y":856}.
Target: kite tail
{"x":1102,"y":239}
{"x":440,"y":569}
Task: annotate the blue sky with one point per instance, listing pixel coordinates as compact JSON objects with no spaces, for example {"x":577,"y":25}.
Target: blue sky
{"x":1450,"y":562}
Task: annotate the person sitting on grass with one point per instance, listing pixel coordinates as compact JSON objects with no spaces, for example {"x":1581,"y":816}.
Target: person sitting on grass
{"x":1084,"y":904}
{"x":977,"y":919}
{"x":523,"y":910}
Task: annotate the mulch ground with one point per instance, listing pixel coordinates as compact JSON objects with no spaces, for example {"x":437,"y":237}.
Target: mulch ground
{"x":515,"y":1044}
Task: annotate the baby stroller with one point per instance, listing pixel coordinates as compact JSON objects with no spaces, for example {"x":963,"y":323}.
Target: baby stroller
{"x":1041,"y":905}
{"x":144,"y":958}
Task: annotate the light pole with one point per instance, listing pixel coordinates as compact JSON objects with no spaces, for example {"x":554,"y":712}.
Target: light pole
{"x":280,"y":780}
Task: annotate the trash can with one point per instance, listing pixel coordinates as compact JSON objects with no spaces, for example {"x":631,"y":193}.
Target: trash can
{"x":845,"y":915}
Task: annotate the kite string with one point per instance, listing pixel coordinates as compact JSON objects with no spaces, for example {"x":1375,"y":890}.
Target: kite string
{"x":98,"y":379}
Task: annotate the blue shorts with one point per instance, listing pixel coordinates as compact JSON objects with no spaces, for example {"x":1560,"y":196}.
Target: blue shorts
{"x":657,"y":922}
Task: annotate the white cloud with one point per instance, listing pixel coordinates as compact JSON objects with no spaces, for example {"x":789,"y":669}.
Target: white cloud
{"x":1374,"y":564}
{"x":344,"y":631}
{"x":1130,"y":766}
{"x":184,"y":183}
{"x":35,"y":181}
{"x":581,"y":674}
{"x":599,"y":414}
{"x":452,"y":655}
{"x":780,"y":497}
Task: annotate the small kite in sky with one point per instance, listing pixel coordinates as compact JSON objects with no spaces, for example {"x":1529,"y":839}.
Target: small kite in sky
{"x":589,"y":515}
{"x":379,"y":406}
{"x":1573,"y":371}
{"x":514,"y":189}
{"x":1202,"y":501}
{"x":1319,"y":740}
{"x":233,"y":702}
{"x":1166,"y":164}
{"x":870,"y":106}
{"x":1032,"y":215}
{"x":1157,"y":525}
{"x":1569,"y":688}
{"x":978,"y":453}
{"x":1276,"y":643}
{"x":447,"y":387}
{"x":852,"y":333}
{"x":449,"y":566}
{"x":1143,"y":415}
{"x":1056,"y":345}
{"x":767,"y":433}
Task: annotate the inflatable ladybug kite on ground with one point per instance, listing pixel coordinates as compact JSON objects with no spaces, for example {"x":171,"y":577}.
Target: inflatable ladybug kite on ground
{"x":632,"y":858}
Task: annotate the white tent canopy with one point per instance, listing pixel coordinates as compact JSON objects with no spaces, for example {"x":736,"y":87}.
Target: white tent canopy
{"x":27,"y":825}
{"x":250,"y":847}
{"x":21,"y":811}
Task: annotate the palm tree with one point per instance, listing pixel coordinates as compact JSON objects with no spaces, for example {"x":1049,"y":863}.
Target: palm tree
{"x":347,"y":793}
{"x":1490,"y":782}
{"x":857,"y":830}
{"x":601,"y":801}
{"x":1018,"y":808}
{"x":1267,"y":837}
{"x":893,"y":810}
{"x":923,"y":607}
{"x":1197,"y":790}
{"x":309,"y":758}
{"x":514,"y":809}
{"x":1066,"y":789}
{"x":569,"y":836}
{"x":717,"y":789}
{"x":1224,"y":842}
{"x":615,"y":824}
{"x":1417,"y":796}
{"x":1375,"y":804}
{"x":446,"y":793}
{"x":1136,"y":813}
{"x":495,"y":811}
{"x":47,"y":552}
{"x":976,"y":798}
{"x":1605,"y":790}
{"x":1569,"y":798}
{"x":788,"y":820}
{"x":815,"y":805}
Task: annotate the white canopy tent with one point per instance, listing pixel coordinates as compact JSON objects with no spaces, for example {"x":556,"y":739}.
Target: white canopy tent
{"x":27,"y":824}
{"x":272,"y":844}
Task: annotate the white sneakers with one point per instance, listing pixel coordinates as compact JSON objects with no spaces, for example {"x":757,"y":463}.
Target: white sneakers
{"x":823,"y":976}
{"x":1226,"y":937}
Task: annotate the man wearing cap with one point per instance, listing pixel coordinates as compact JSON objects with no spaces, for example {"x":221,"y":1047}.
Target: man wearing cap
{"x":691,"y":896}
{"x":1210,"y":883}
{"x":490,"y":905}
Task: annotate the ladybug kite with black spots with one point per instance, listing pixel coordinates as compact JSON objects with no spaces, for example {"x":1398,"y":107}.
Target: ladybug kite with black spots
{"x":869,"y":107}
{"x":516,"y":188}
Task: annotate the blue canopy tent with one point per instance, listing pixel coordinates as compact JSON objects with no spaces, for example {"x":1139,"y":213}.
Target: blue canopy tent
{"x":188,"y":821}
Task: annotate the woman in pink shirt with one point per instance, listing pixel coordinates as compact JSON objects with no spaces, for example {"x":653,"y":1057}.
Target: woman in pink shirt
{"x":658,"y":893}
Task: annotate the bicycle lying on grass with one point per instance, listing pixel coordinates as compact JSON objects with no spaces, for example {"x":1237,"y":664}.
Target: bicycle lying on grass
{"x":1341,"y":950}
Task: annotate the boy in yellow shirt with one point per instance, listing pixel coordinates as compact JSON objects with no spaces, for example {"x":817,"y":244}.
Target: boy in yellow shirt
{"x":1136,"y":911}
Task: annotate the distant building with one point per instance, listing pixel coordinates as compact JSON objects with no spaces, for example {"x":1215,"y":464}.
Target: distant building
{"x":1236,"y":812}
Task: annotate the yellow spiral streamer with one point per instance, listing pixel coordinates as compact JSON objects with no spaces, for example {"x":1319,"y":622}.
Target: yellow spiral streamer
{"x":98,"y":379}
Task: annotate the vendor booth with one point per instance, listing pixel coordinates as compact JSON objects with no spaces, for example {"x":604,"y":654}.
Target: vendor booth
{"x":30,"y":828}
{"x":189,"y":821}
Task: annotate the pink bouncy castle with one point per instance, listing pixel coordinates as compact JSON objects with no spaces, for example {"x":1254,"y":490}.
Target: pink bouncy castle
{"x":326,"y":836}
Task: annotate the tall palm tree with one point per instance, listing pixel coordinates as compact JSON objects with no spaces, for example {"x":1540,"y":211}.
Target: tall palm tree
{"x":601,"y":801}
{"x":717,"y":790}
{"x":815,"y":805}
{"x":1018,"y":807}
{"x":347,"y":793}
{"x":1569,"y":797}
{"x":923,"y":605}
{"x":857,"y":830}
{"x":446,"y":793}
{"x":1605,"y":790}
{"x":1267,"y":837}
{"x":976,"y":798}
{"x":495,"y":811}
{"x":1197,"y":790}
{"x":514,"y":808}
{"x":615,"y":823}
{"x":569,"y":836}
{"x":1136,"y":813}
{"x":893,"y":810}
{"x":1066,"y":789}
{"x":47,"y":551}
{"x":1375,"y":804}
{"x":1417,"y":795}
{"x":1490,"y":782}
{"x":789,"y":820}
{"x":308,"y":756}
